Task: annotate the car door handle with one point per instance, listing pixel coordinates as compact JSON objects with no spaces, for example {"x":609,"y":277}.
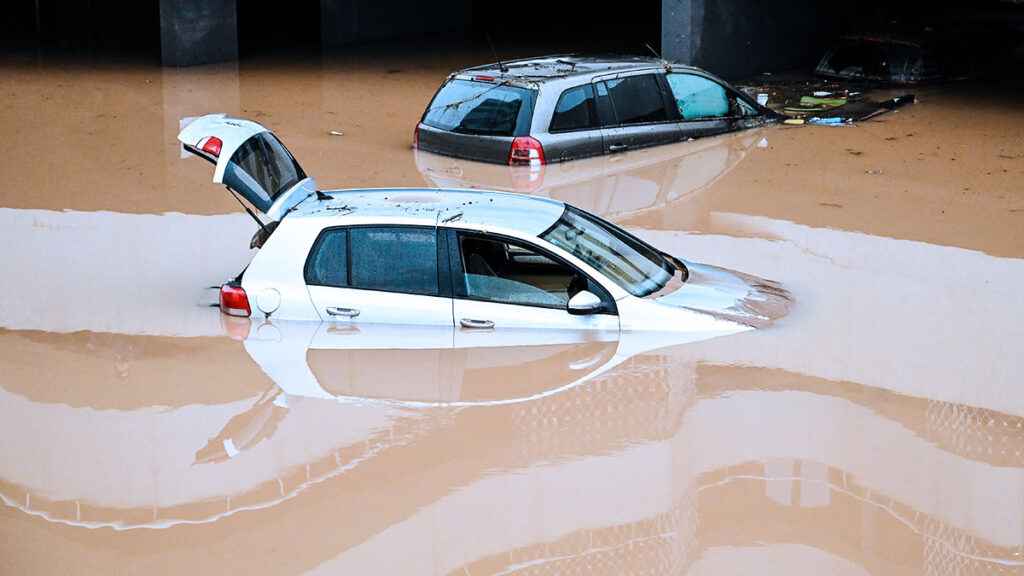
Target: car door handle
{"x":346,"y":312}
{"x":618,"y":147}
{"x":471,"y":323}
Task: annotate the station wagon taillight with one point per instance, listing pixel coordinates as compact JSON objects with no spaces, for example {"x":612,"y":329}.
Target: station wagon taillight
{"x":416,"y":136}
{"x":212,"y":146}
{"x":233,"y":300}
{"x":526,"y":151}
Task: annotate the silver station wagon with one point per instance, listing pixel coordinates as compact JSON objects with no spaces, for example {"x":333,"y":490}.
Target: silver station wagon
{"x":463,"y":258}
{"x":556,"y":108}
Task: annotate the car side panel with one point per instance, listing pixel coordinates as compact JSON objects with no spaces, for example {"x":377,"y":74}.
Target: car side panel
{"x":352,"y":307}
{"x":278,"y":266}
{"x":563,"y":146}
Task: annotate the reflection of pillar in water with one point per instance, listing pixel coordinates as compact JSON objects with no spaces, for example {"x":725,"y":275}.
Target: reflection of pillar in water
{"x":802,"y":483}
{"x":977,"y":433}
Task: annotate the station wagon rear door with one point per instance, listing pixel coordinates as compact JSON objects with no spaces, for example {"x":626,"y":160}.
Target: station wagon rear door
{"x":635,"y":112}
{"x":250,"y":160}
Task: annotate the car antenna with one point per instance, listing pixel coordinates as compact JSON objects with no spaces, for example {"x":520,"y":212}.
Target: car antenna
{"x":653,"y":51}
{"x":248,"y":211}
{"x":501,"y":67}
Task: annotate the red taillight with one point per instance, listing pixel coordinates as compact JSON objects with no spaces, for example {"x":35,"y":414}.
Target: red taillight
{"x":526,"y":151}
{"x":484,"y":78}
{"x":233,"y":300}
{"x":416,"y":137}
{"x":213,"y":145}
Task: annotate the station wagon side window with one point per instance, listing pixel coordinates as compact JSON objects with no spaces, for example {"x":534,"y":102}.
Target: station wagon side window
{"x":511,"y":272}
{"x":697,"y":97}
{"x":576,"y":110}
{"x":636,"y":99}
{"x":386,"y":258}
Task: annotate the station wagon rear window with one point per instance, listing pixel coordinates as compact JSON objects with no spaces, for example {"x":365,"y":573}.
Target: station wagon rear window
{"x":482,"y":108}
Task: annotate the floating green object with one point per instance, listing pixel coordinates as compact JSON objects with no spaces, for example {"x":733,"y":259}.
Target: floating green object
{"x":828,"y":102}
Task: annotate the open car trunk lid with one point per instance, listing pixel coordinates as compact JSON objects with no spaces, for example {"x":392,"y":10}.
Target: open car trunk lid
{"x":250,"y":160}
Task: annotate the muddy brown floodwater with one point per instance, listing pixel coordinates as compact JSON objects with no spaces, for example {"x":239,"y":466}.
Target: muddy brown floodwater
{"x":877,"y":429}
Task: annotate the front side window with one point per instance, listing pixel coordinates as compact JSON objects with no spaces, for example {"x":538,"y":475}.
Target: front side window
{"x":392,"y":259}
{"x":576,"y":110}
{"x":500,"y":270}
{"x":698,"y":97}
{"x":621,"y":257}
{"x":637,"y":99}
{"x":483,"y":108}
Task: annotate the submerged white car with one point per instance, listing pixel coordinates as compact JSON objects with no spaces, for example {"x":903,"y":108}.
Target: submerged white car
{"x":462,"y":258}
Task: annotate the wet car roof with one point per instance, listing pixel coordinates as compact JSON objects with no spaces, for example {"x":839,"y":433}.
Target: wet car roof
{"x":564,"y":66}
{"x":527,"y":214}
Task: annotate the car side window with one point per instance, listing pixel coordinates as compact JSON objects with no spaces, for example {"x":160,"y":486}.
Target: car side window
{"x":328,"y":260}
{"x":387,"y":258}
{"x":698,"y":97}
{"x":576,"y":110}
{"x":501,"y":270}
{"x":636,"y":99}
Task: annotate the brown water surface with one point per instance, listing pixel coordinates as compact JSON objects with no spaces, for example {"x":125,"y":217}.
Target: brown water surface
{"x":877,"y":429}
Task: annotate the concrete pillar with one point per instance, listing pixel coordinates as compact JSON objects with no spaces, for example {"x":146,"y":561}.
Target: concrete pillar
{"x":198,"y":32}
{"x":735,"y":38}
{"x":349,"y":21}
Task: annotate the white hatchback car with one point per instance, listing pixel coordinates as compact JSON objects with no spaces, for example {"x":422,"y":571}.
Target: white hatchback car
{"x":464,"y":258}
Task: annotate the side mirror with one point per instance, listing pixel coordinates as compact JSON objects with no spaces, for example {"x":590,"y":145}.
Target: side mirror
{"x":584,"y":303}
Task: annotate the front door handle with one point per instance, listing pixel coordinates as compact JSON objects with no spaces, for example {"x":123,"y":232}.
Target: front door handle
{"x":346,"y":312}
{"x":471,"y":323}
{"x":618,"y":147}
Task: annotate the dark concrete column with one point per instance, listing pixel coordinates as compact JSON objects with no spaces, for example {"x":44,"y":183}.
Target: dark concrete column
{"x":734,"y":38}
{"x":348,"y":21}
{"x":198,"y":32}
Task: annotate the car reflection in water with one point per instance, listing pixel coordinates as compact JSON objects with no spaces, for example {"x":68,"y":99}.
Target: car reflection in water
{"x":614,"y":187}
{"x":439,"y":365}
{"x":676,"y":455}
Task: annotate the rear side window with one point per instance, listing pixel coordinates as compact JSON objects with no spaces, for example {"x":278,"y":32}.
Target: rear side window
{"x":637,"y":99}
{"x":483,"y":108}
{"x":576,"y":110}
{"x":392,"y":259}
{"x":328,"y":261}
{"x":698,"y":97}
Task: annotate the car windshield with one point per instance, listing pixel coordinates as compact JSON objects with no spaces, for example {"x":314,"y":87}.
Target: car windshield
{"x":470,"y":107}
{"x":625,"y":259}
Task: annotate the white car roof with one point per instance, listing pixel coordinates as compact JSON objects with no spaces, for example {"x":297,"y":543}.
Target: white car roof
{"x":496,"y":210}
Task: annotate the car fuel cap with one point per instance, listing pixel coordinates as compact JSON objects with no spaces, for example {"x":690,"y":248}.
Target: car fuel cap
{"x":268,"y":301}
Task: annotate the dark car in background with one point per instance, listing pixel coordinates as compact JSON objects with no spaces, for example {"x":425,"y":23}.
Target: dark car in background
{"x":921,"y":54}
{"x":557,"y":108}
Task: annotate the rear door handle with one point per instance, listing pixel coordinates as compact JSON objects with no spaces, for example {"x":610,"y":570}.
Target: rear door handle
{"x":618,"y":147}
{"x":471,"y":323}
{"x":346,"y":312}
